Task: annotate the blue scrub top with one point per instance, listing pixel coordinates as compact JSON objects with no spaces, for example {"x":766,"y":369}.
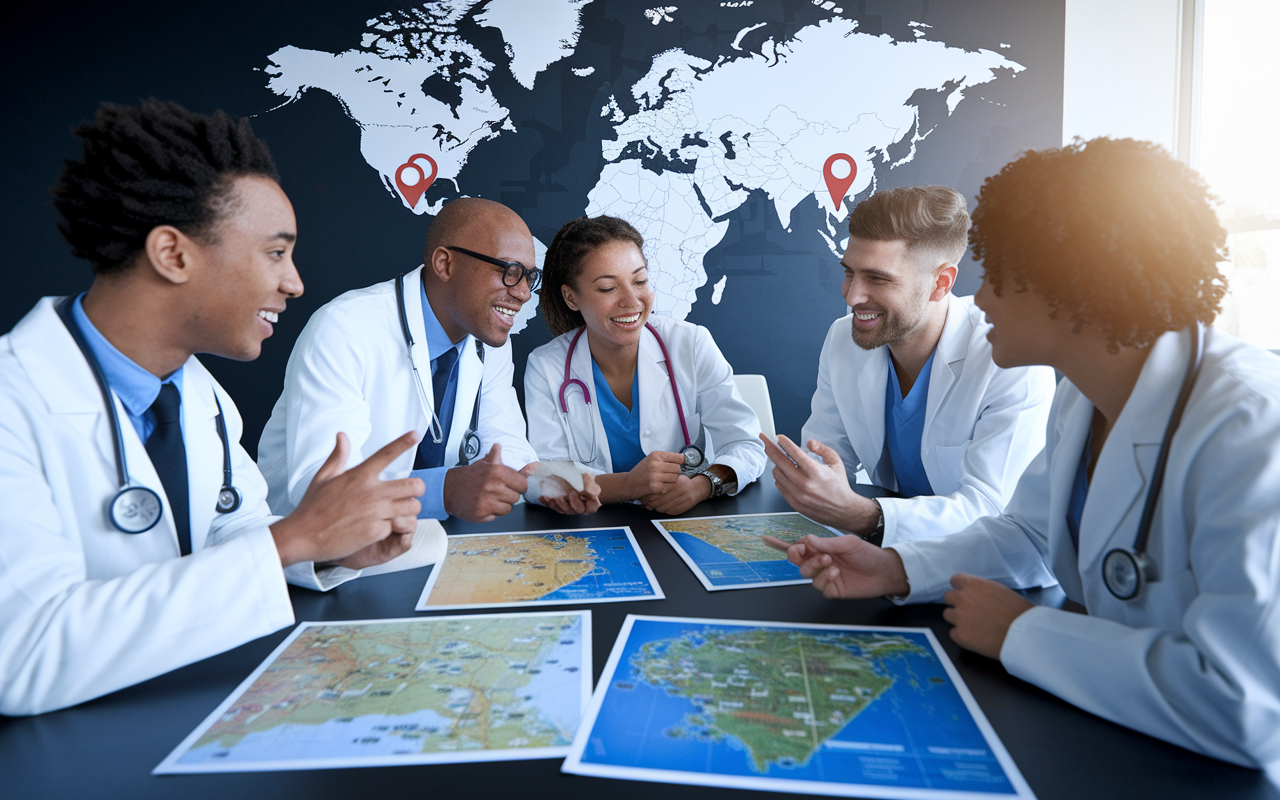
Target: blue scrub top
{"x":621,"y":426}
{"x":904,"y":429}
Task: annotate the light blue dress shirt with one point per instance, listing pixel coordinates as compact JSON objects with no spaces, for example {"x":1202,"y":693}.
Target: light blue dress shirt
{"x":437,"y":342}
{"x":621,"y":426}
{"x":904,"y":428}
{"x":136,"y":388}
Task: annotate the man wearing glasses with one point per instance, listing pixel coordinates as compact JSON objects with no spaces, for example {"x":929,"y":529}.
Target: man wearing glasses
{"x":427,"y":351}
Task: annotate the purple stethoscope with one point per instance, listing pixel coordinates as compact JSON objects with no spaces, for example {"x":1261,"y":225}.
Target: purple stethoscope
{"x":693,"y":456}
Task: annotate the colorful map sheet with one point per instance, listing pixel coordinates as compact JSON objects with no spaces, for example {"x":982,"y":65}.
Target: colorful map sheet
{"x":817,"y":709}
{"x":728,"y":552}
{"x":501,"y":570}
{"x":433,"y":690}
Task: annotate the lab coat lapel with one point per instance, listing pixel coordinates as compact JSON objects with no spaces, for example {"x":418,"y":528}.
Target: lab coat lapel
{"x":585,"y":425}
{"x":659,"y":420}
{"x":420,"y":353}
{"x":1128,"y":458}
{"x":204,"y":448}
{"x":948,"y":361}
{"x":62,"y":376}
{"x":470,"y":371}
{"x":1072,"y":430}
{"x":869,"y":439}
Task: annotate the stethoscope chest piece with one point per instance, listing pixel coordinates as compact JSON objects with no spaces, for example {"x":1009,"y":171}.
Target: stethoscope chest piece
{"x":1126,"y":573}
{"x":470,"y":446}
{"x":693,"y":457}
{"x":228,"y":499}
{"x":135,"y":509}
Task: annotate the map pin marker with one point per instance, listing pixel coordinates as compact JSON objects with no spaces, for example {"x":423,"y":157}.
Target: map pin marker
{"x":418,"y":158}
{"x":838,"y":186}
{"x":411,"y":191}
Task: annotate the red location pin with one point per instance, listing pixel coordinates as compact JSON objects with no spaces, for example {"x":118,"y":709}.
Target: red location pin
{"x":838,"y":186}
{"x":419,"y":182}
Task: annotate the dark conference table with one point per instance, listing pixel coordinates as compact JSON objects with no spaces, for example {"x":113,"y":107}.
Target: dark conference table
{"x":108,"y":747}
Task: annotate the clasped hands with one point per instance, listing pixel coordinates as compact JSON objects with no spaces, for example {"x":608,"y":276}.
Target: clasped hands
{"x":980,"y":610}
{"x":660,"y":485}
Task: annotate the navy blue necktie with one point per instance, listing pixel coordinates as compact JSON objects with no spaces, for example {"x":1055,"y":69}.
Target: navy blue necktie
{"x":169,"y":457}
{"x":431,"y":454}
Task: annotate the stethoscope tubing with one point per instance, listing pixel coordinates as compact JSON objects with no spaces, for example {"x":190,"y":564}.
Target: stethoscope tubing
{"x":469,"y":447}
{"x":1126,"y":571}
{"x":229,"y":497}
{"x":568,"y":382}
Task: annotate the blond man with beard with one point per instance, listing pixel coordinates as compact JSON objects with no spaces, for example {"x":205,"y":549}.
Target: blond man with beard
{"x":907,"y":389}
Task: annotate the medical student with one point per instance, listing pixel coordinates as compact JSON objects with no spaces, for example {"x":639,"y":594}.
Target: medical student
{"x":632,"y":397}
{"x":136,"y":536}
{"x":429,"y":351}
{"x":907,"y":388}
{"x":1101,"y":260}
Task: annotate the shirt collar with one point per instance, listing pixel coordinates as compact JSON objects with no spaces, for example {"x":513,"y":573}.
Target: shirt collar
{"x":437,"y":340}
{"x":136,"y":387}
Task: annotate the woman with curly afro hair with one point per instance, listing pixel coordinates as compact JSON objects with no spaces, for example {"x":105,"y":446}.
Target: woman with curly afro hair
{"x":1101,"y":261}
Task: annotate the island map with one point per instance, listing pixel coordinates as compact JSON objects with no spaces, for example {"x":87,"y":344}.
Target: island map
{"x":843,"y":710}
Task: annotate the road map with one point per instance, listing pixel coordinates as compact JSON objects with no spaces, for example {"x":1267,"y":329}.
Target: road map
{"x":432,"y":690}
{"x":728,"y":552}
{"x":498,"y":570}
{"x":821,"y":709}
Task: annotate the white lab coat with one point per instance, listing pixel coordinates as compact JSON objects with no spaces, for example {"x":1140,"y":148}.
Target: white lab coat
{"x":349,"y":371}
{"x":84,"y":608}
{"x":708,"y":394}
{"x":1195,"y":659}
{"x":982,"y":424}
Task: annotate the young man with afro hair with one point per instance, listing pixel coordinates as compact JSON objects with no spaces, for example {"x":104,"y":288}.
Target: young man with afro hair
{"x":1101,"y":261}
{"x":137,"y":536}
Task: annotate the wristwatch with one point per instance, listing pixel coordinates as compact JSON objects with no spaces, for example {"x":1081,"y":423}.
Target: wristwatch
{"x":717,"y":485}
{"x":876,"y":535}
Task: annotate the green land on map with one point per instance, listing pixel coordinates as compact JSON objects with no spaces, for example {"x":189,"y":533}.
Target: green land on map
{"x":781,"y":692}
{"x":469,"y":671}
{"x":740,"y":536}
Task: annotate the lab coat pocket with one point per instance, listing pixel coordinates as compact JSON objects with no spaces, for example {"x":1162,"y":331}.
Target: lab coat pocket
{"x":948,"y":467}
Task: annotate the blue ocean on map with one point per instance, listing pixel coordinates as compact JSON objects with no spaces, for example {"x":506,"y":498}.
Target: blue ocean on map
{"x":918,"y":734}
{"x":723,"y":569}
{"x":375,"y":735}
{"x":617,"y":574}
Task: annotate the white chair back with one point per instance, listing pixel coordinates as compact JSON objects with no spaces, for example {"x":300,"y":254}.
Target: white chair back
{"x":755,"y":390}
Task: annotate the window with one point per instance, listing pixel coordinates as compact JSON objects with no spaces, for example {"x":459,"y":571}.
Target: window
{"x":1238,"y":152}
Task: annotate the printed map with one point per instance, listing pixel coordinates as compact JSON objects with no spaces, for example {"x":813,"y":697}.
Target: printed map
{"x":825,"y":709}
{"x":506,"y":569}
{"x":403,"y":691}
{"x":729,"y":553}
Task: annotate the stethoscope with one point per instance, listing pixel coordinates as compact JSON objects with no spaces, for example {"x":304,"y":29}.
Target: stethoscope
{"x":1126,"y":571}
{"x":135,"y":508}
{"x":469,"y":449}
{"x":693,"y":455}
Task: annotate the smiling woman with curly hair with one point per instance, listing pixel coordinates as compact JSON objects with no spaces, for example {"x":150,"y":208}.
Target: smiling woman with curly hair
{"x":1112,"y":233}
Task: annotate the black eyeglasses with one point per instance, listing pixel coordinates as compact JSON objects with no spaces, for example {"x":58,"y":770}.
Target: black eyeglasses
{"x":512,"y":271}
